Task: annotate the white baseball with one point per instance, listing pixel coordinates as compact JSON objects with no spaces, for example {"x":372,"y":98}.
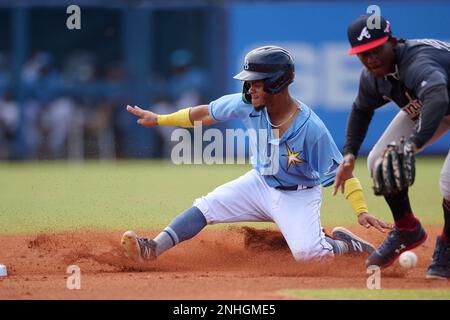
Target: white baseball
{"x":408,"y":259}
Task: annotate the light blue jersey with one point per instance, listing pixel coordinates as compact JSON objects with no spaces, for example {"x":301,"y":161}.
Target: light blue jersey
{"x":305,"y":155}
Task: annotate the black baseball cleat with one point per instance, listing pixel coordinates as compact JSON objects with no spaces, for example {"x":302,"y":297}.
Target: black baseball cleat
{"x":398,"y":241}
{"x":138,"y":249}
{"x":440,"y":265}
{"x":355,"y":244}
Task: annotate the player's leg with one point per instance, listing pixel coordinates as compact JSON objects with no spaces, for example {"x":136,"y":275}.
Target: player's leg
{"x":444,"y":184}
{"x":408,"y":233}
{"x":242,"y":199}
{"x":401,"y":126}
{"x":440,"y":266}
{"x":297,"y":214}
{"x":185,"y":226}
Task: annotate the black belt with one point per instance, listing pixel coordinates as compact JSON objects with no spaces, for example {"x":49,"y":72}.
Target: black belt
{"x":292,"y":188}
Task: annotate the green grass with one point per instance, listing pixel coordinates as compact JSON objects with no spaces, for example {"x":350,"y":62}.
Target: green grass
{"x":58,"y":196}
{"x":143,"y":195}
{"x":366,"y":294}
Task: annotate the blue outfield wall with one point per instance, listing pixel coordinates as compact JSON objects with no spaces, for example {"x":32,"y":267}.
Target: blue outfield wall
{"x":326,"y":77}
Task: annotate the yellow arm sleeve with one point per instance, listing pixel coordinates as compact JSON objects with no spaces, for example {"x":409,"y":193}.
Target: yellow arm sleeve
{"x":179,"y":119}
{"x":354,"y":194}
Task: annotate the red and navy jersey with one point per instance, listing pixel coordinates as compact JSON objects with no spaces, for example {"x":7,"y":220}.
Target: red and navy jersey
{"x":421,"y":67}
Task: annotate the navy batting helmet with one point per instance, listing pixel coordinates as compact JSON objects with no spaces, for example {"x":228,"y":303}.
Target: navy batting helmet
{"x":272,"y":64}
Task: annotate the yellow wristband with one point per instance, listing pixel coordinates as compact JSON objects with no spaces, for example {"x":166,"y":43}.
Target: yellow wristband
{"x":179,"y":119}
{"x":354,"y":194}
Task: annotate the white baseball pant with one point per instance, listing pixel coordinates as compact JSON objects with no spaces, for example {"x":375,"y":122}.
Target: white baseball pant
{"x":297,"y":213}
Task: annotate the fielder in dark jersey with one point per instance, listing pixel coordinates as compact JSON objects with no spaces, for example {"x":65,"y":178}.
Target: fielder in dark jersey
{"x":421,"y":91}
{"x":414,"y":75}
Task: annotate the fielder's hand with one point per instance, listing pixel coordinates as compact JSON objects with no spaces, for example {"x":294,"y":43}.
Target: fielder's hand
{"x":395,"y":170}
{"x":344,"y":172}
{"x":147,"y":119}
{"x":367,"y":220}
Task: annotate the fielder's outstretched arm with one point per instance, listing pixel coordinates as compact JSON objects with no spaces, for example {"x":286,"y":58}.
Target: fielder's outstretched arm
{"x":185,"y":118}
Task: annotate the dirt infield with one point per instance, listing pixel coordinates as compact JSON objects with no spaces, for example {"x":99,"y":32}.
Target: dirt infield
{"x":234,"y":263}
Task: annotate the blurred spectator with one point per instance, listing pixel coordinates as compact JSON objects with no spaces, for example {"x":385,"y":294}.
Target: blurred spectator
{"x":116,"y":81}
{"x":9,"y":124}
{"x":82,"y":84}
{"x":107,"y":124}
{"x":41,"y":82}
{"x":79,"y":68}
{"x":5,"y":75}
{"x":59,"y":119}
{"x":75,"y":112}
{"x":187,"y":86}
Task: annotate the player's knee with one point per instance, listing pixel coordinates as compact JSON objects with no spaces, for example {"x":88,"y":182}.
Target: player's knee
{"x":444,"y":184}
{"x":203,"y":205}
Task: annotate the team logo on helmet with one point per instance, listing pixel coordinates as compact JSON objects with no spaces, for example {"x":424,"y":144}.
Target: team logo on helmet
{"x":246,"y":65}
{"x":364,"y":34}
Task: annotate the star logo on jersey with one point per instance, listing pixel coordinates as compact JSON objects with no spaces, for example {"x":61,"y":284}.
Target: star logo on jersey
{"x":292,"y":157}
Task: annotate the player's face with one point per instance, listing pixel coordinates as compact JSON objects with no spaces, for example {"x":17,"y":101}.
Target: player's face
{"x":380,"y":60}
{"x":259,"y":96}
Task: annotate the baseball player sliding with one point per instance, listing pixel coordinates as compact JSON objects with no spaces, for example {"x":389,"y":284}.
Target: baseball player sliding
{"x":413,"y":74}
{"x":283,"y":187}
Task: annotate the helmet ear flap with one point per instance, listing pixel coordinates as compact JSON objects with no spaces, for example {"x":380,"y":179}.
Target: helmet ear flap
{"x":278,"y":81}
{"x":246,"y":96}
